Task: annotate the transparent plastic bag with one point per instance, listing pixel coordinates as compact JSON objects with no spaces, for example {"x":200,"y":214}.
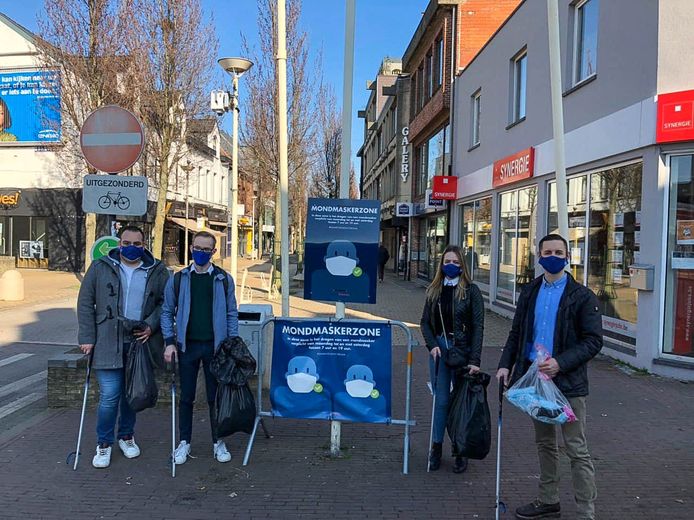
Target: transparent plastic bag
{"x":536,"y":394}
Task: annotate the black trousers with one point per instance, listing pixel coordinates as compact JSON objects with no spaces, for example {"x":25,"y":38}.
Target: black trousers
{"x":188,"y":368}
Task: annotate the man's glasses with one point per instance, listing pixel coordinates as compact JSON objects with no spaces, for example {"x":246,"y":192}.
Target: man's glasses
{"x":202,"y":249}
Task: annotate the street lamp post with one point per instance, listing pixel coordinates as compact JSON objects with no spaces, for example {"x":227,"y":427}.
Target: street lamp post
{"x":236,"y":67}
{"x":187,"y":168}
{"x":253,"y":248}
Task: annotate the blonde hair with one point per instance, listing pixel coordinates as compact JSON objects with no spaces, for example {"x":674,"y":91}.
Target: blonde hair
{"x":464,"y":280}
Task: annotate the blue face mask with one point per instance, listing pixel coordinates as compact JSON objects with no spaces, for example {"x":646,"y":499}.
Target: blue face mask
{"x":132,"y":253}
{"x":553,"y":264}
{"x":201,"y":258}
{"x":451,"y":270}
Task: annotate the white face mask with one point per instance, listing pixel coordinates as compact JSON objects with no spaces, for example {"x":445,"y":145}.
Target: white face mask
{"x":340,"y":265}
{"x":359,"y":388}
{"x":301,"y":383}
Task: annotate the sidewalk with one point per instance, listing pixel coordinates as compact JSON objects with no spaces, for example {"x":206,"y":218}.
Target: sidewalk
{"x":643,"y":452}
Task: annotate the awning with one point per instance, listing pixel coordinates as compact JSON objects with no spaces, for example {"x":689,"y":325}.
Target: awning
{"x":193,"y":226}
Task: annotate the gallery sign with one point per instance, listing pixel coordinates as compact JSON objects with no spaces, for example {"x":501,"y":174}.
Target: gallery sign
{"x":405,"y":154}
{"x":675,"y":120}
{"x":514,"y":168}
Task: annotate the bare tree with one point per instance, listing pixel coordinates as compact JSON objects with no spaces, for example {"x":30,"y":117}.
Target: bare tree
{"x":83,"y":40}
{"x":259,"y":131}
{"x":175,"y":50}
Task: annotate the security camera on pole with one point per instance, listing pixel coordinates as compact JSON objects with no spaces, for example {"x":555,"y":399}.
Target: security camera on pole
{"x":220,"y":103}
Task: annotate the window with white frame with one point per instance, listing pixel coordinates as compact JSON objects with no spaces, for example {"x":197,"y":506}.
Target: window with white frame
{"x":475,"y":118}
{"x":519,"y":67}
{"x":585,"y":39}
{"x":439,"y":61}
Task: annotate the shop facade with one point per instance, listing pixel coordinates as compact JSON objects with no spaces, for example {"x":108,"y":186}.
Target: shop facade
{"x":630,"y":203}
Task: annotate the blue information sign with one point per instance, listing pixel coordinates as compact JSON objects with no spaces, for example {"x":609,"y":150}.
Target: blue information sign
{"x":30,"y":106}
{"x":331,"y":370}
{"x":341,"y":250}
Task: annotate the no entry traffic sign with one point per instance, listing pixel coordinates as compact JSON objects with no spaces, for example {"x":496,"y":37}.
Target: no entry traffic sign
{"x":111,"y":139}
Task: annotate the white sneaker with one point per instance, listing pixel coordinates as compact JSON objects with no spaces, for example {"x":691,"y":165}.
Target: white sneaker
{"x":182,"y":452}
{"x":220,"y":452}
{"x":102,"y":459}
{"x":129,"y":448}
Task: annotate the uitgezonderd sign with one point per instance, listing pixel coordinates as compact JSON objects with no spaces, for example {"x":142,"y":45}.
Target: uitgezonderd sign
{"x":514,"y":168}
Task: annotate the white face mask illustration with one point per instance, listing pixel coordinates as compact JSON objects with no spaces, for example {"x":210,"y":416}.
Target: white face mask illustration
{"x":359,"y":388}
{"x":301,"y":382}
{"x":340,"y":265}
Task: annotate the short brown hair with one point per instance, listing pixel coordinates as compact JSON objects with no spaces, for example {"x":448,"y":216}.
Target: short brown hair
{"x":206,"y":234}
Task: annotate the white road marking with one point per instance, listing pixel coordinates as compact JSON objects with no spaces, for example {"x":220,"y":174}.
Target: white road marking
{"x":12,"y":359}
{"x":20,"y":403}
{"x":23,"y":383}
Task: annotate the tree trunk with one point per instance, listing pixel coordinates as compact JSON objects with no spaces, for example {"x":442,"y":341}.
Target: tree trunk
{"x":89,"y":238}
{"x":159,"y":219}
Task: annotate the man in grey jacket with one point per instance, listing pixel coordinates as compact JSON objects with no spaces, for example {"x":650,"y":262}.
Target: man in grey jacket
{"x":199,"y":313}
{"x":123,"y":288}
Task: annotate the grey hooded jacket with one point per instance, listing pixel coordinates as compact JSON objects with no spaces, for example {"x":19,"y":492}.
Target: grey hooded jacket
{"x":98,"y":307}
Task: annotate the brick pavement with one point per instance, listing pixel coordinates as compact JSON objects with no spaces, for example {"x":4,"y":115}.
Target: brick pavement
{"x":643,"y":451}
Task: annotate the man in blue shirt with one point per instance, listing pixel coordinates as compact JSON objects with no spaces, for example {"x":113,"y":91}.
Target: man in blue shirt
{"x":560,"y":315}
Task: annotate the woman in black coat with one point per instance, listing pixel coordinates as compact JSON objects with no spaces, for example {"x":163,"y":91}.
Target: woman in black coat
{"x":453,"y":317}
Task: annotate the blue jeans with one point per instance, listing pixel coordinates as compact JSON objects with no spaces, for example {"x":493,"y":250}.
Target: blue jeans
{"x":111,"y":395}
{"x":441,"y":386}
{"x":188,"y":368}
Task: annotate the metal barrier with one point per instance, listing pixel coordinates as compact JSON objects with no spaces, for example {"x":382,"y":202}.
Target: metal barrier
{"x":406,"y":422}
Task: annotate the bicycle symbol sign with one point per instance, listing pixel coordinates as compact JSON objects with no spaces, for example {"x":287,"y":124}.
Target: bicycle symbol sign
{"x":115,"y":199}
{"x":111,"y":195}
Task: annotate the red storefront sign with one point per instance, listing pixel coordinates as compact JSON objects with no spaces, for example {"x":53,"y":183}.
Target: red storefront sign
{"x":445,"y":187}
{"x":675,"y":117}
{"x":514,"y":168}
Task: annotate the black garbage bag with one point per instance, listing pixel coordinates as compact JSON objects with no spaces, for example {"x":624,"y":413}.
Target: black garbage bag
{"x":469,"y":422}
{"x":140,"y":386}
{"x":235,"y":409}
{"x":233,"y":363}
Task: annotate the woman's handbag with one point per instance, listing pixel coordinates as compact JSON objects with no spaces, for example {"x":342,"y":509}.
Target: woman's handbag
{"x":455,"y":356}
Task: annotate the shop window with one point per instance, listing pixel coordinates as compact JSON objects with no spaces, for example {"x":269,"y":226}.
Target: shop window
{"x":679,"y":289}
{"x":585,"y":39}
{"x":517,"y":239}
{"x":436,"y":157}
{"x":610,"y":216}
{"x":5,"y":236}
{"x":435,"y":243}
{"x":476,"y":239}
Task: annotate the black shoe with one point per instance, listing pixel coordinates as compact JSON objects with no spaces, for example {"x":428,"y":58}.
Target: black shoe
{"x":435,"y":456}
{"x":460,"y":464}
{"x":537,"y":509}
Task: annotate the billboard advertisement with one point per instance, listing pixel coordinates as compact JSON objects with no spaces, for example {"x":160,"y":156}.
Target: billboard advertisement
{"x":331,"y":370}
{"x":29,"y":107}
{"x":342,"y":250}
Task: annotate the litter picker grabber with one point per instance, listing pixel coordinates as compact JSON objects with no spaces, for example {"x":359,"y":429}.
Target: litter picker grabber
{"x":433,"y":410}
{"x":500,"y":506}
{"x":84,"y":410}
{"x":174,"y":359}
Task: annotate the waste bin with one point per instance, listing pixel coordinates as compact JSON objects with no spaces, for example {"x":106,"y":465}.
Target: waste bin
{"x":251,"y":318}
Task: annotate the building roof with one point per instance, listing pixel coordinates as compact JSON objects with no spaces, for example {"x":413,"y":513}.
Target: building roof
{"x":201,"y":126}
{"x":19,"y":29}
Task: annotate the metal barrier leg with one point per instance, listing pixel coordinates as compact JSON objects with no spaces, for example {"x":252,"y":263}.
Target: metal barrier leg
{"x":247,"y":455}
{"x":267,"y":433}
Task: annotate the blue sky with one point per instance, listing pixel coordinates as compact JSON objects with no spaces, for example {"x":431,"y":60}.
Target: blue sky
{"x":383,"y":28}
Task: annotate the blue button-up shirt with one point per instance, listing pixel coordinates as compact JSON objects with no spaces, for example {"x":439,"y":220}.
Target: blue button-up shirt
{"x":546,"y":308}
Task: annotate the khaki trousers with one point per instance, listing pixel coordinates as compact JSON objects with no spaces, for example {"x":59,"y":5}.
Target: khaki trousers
{"x":576,"y":448}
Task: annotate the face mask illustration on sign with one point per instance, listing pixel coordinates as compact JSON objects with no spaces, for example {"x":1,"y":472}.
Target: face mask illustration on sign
{"x":301,"y":375}
{"x":341,"y":258}
{"x":359,"y":381}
